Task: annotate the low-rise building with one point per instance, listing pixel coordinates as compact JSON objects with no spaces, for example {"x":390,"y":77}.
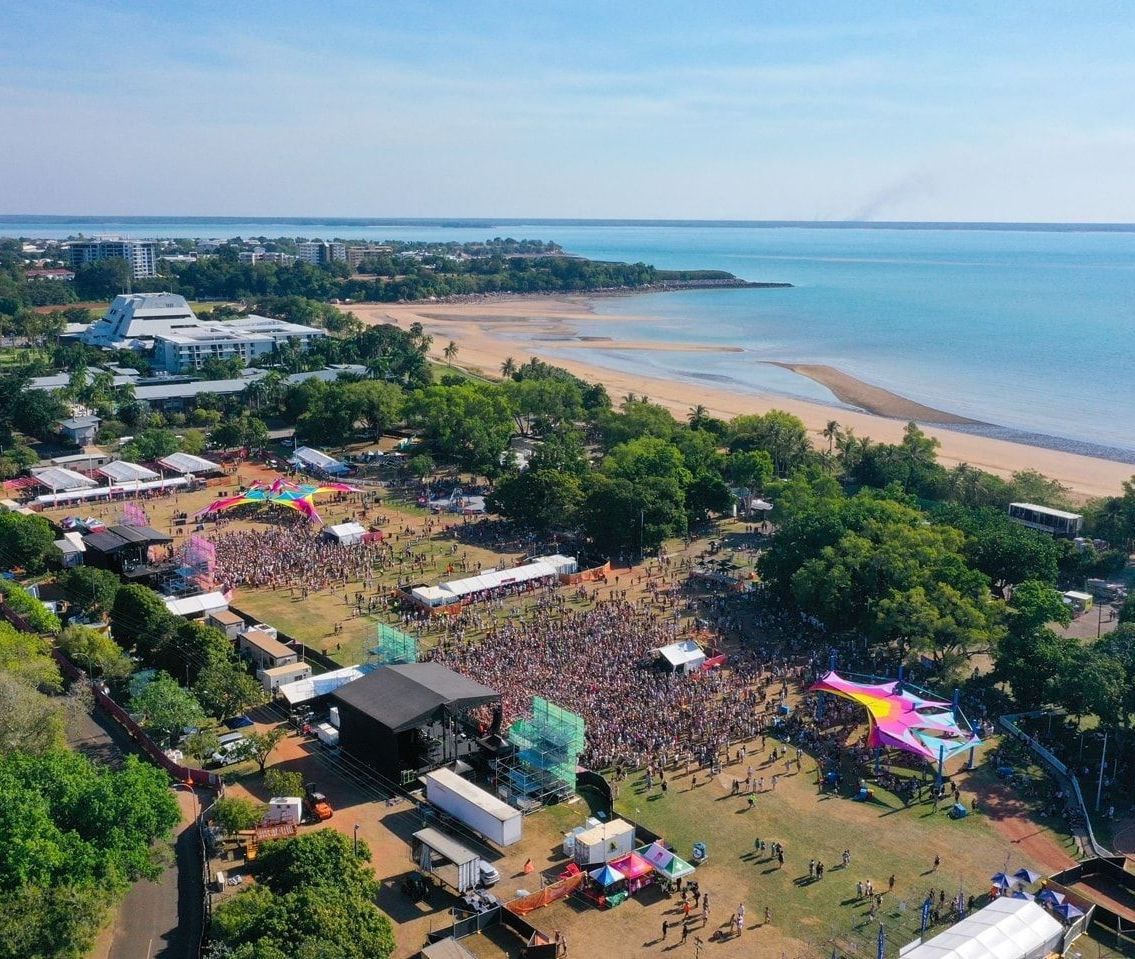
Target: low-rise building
{"x":80,"y":430}
{"x":227,"y":622}
{"x":274,"y":677}
{"x":260,"y":645}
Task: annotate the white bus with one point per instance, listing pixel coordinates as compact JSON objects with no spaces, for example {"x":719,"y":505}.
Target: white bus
{"x":1047,"y":520}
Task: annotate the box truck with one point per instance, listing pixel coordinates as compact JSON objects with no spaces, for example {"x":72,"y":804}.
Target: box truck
{"x":472,"y":806}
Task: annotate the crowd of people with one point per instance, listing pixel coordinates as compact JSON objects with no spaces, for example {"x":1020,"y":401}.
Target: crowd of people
{"x":597,"y":662}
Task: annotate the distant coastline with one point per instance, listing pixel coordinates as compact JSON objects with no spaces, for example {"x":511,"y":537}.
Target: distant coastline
{"x":110,"y":221}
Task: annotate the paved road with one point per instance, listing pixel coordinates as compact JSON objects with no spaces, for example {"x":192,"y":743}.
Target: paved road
{"x":156,"y":919}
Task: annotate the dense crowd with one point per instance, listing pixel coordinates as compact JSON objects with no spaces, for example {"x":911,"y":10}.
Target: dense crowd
{"x":597,"y":662}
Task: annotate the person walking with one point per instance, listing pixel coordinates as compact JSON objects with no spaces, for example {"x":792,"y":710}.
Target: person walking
{"x":685,"y":930}
{"x":937,"y":862}
{"x":768,"y":915}
{"x":665,"y":929}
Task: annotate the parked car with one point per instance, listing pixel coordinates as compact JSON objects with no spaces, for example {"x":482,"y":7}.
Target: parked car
{"x":490,"y":875}
{"x":239,"y":722}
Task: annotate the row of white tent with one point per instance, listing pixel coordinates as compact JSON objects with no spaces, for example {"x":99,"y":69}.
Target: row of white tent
{"x":68,"y":486}
{"x":445,"y":594}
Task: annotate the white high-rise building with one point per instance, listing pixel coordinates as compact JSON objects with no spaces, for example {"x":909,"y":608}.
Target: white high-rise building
{"x":317,"y":251}
{"x":142,"y":255}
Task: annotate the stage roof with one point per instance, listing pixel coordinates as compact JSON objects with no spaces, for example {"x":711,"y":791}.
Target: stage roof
{"x":116,"y":537}
{"x":409,"y":695}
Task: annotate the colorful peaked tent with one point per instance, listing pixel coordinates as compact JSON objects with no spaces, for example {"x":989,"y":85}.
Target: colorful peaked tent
{"x":607,"y":876}
{"x":300,"y":497}
{"x":901,"y":720}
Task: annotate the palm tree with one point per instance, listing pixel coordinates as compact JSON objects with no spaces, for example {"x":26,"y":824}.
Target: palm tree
{"x":424,"y":343}
{"x":698,"y":416}
{"x":831,"y":432}
{"x":508,"y":368}
{"x":449,"y":352}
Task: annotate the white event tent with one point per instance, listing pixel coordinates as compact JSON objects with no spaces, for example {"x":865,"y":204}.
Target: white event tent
{"x":455,"y":590}
{"x":1007,"y":928}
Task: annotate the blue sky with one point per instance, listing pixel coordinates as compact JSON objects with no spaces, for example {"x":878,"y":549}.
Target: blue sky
{"x":950,"y":111}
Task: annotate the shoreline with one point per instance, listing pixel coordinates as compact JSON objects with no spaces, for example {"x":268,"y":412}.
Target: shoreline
{"x":487,"y":331}
{"x":874,"y":399}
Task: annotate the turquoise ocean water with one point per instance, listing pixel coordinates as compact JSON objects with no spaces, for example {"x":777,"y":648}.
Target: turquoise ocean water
{"x":1029,"y":329}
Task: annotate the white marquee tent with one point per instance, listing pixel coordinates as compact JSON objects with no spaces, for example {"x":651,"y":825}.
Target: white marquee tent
{"x":346,"y":534}
{"x":453,"y":591}
{"x":1005,"y":929}
{"x":122,"y":472}
{"x":188,"y":463}
{"x":313,"y":459}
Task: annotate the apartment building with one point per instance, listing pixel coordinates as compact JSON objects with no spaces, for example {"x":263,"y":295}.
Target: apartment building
{"x":142,"y":255}
{"x":318,"y":251}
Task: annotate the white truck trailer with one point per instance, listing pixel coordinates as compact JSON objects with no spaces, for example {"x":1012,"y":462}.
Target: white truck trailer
{"x":472,"y":806}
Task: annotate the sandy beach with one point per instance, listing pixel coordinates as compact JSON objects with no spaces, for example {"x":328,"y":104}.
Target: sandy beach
{"x":487,"y":331}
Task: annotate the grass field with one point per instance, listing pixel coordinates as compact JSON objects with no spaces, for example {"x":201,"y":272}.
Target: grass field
{"x":884,"y":839}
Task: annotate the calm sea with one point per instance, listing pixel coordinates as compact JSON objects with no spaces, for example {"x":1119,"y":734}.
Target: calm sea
{"x":1030,"y":329}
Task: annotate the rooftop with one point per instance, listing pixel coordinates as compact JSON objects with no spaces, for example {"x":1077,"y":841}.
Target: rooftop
{"x":402,"y":697}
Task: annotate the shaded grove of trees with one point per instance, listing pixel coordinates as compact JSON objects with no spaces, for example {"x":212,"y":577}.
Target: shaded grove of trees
{"x":410,"y":277}
{"x":313,"y":896}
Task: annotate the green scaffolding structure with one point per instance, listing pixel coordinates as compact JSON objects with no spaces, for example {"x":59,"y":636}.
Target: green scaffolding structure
{"x":392,"y":647}
{"x":548,"y":744}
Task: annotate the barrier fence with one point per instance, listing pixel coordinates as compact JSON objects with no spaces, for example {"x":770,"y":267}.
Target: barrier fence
{"x":1082,"y":830}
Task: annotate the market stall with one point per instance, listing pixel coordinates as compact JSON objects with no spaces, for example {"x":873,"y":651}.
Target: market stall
{"x":637,"y":871}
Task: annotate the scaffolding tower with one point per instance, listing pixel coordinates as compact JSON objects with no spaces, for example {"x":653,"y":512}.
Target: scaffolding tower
{"x":195,"y":569}
{"x":548,"y":744}
{"x":392,"y":647}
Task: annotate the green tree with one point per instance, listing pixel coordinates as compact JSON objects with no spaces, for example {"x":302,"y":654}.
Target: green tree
{"x":27,"y":542}
{"x":378,"y":405}
{"x":468,"y":424}
{"x":60,"y":922}
{"x":138,"y":613}
{"x":91,"y":588}
{"x":259,"y":746}
{"x":102,"y":280}
{"x":1034,"y":605}
{"x":30,"y":722}
{"x":202,"y":744}
{"x":224,"y":688}
{"x":166,"y":708}
{"x":283,"y":782}
{"x":151,"y":444}
{"x":234,"y":813}
{"x":27,"y":657}
{"x":322,"y":859}
{"x":781,"y":435}
{"x":96,"y":652}
{"x":539,"y":499}
{"x":450,"y":352}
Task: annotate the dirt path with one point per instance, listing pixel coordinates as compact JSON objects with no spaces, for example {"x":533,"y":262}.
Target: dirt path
{"x":1012,"y":818}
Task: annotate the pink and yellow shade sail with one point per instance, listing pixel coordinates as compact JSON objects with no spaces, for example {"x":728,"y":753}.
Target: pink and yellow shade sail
{"x":899,"y":719}
{"x":300,"y":497}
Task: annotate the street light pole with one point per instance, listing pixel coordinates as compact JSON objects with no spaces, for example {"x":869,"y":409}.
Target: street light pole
{"x":356,"y":840}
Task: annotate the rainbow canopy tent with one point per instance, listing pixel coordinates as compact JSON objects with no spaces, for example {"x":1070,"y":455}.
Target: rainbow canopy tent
{"x":901,"y":720}
{"x":300,"y":497}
